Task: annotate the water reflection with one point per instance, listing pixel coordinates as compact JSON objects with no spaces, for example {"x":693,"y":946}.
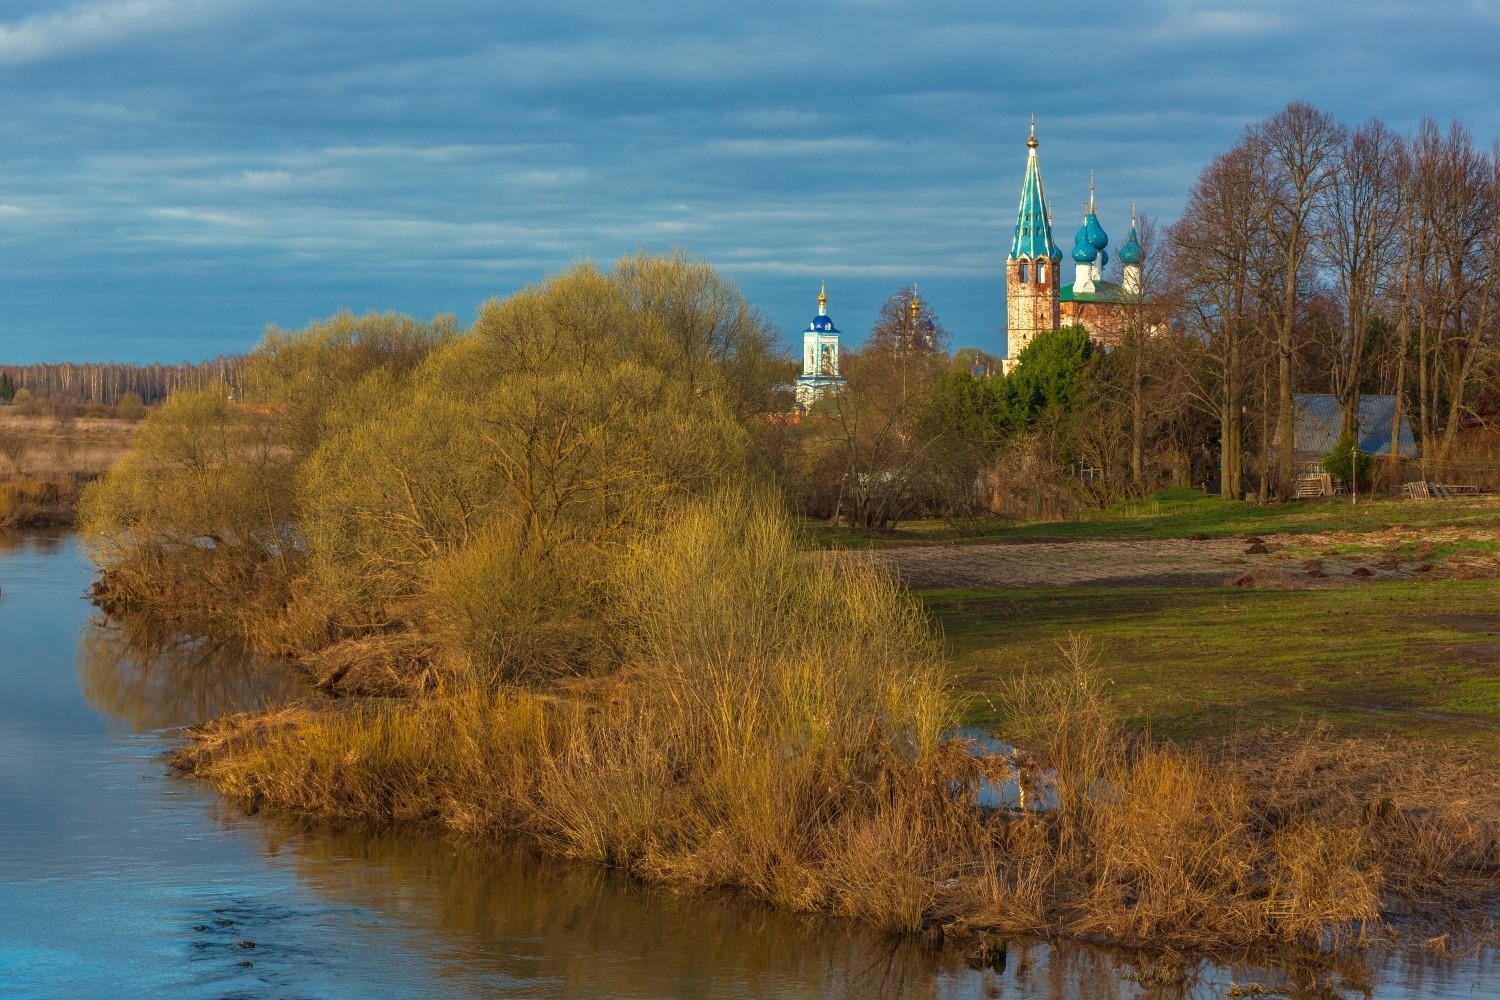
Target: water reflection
{"x":501,"y":915}
{"x":149,"y":686}
{"x":37,"y":542}
{"x":493,"y":917}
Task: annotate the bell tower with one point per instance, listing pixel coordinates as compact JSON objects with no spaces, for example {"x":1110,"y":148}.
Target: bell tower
{"x":1031,"y":269}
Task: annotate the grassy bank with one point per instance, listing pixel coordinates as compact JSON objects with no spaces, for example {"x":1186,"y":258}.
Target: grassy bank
{"x":1417,"y":659}
{"x":40,"y":503}
{"x":743,"y":744}
{"x":1179,"y":513}
{"x":1290,"y":843}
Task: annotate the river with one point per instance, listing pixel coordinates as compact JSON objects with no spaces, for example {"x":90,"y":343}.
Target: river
{"x":120,"y":879}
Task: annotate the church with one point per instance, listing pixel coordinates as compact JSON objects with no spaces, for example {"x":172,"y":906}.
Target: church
{"x":820,"y":356}
{"x":1035,"y":298}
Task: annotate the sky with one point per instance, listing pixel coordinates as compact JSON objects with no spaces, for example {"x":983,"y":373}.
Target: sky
{"x":176,"y":175}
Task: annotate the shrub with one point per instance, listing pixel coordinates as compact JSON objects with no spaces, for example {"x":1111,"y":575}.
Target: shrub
{"x":1345,"y":463}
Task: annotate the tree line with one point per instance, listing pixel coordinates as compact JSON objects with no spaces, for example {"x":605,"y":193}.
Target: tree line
{"x":1316,"y":256}
{"x":108,"y":383}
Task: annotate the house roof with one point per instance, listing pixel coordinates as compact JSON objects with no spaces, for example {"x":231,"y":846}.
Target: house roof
{"x":1319,"y":420}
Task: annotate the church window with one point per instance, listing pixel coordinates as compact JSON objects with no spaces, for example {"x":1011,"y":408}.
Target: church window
{"x":1023,"y":272}
{"x":1041,"y":272}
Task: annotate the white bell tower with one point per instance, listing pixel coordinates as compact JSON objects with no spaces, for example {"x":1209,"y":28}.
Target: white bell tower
{"x":820,"y":355}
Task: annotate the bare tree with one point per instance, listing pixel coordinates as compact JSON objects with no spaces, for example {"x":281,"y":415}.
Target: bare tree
{"x":902,"y":327}
{"x":1297,"y":148}
{"x":1358,"y":219}
{"x":1216,"y":264}
{"x":1451,"y":283}
{"x":873,"y":425}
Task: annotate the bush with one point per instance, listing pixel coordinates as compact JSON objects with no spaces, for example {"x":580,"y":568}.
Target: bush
{"x":1344,"y":462}
{"x":130,"y":407}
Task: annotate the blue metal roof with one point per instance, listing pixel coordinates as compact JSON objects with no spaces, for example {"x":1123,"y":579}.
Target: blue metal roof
{"x":1033,"y":237}
{"x":1131,"y":253}
{"x":1319,"y":420}
{"x":821,"y":323}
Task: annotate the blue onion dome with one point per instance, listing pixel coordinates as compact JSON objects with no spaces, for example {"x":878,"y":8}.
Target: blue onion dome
{"x":1130,"y":253}
{"x":1083,"y":250}
{"x":1103,"y":258}
{"x":1096,"y":233}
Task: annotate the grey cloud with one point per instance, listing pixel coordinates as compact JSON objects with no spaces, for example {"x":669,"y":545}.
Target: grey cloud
{"x":175,"y":183}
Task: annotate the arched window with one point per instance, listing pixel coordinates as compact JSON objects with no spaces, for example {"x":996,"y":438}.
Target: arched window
{"x":1041,"y":272}
{"x":1022,"y":272}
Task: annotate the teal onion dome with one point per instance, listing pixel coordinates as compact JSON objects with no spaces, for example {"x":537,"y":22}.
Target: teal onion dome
{"x":1131,"y":253}
{"x":1083,"y":250}
{"x":1096,"y":234}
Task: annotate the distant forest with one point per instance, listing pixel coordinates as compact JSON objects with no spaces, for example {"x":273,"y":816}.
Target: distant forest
{"x":107,"y":383}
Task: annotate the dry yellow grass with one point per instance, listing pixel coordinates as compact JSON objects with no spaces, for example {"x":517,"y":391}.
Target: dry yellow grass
{"x":776,"y":729}
{"x":52,"y":448}
{"x":45,"y":463}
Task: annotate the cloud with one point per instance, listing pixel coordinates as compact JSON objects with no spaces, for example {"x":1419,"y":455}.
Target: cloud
{"x":94,"y":26}
{"x":216,"y":164}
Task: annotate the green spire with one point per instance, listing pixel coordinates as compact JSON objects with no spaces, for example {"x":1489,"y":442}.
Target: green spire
{"x":1033,"y":237}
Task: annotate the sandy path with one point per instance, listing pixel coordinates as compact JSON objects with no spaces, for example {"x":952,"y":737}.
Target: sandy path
{"x":1165,"y":562}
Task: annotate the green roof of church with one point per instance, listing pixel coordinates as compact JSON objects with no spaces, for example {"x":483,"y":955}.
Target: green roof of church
{"x":1104,"y":291}
{"x":1033,"y":237}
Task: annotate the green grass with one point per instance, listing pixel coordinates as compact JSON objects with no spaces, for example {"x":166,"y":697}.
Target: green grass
{"x":1194,"y":664}
{"x":1180,"y":513}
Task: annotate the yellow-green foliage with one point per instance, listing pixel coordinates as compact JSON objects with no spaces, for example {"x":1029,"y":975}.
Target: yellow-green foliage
{"x":303,"y":376}
{"x":189,"y":526}
{"x":518,"y":610}
{"x":386,"y":475}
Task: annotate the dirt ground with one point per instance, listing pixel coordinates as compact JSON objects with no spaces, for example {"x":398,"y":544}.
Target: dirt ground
{"x":1283,"y":562}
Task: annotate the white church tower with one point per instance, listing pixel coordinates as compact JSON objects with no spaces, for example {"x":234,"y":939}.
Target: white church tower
{"x":820,"y":356}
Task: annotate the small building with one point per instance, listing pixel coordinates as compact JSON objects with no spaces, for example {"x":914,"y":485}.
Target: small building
{"x":820,"y":356}
{"x":1320,"y":420}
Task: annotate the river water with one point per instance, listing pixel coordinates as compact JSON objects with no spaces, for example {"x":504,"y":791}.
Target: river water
{"x":119,"y":879}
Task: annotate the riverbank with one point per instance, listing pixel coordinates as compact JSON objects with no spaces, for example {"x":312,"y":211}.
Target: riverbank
{"x":611,"y":641}
{"x":1268,"y":843}
{"x":40,"y":503}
